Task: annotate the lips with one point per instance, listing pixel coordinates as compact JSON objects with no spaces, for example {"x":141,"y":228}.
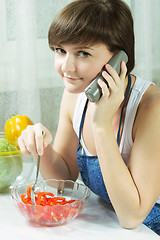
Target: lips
{"x":71,"y":79}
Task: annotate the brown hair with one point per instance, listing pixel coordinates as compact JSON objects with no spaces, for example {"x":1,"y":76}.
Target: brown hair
{"x":93,"y":21}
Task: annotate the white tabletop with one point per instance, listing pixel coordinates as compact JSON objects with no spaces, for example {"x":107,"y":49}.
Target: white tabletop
{"x":96,"y":221}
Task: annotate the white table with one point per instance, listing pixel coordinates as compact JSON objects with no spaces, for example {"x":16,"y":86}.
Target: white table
{"x":96,"y":222}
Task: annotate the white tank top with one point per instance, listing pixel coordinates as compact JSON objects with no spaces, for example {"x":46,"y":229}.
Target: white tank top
{"x":125,"y":147}
{"x":138,"y":89}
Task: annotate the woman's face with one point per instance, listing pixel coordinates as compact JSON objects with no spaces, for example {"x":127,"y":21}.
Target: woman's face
{"x":78,"y":65}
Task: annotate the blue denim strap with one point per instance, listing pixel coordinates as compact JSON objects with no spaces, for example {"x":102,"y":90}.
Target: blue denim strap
{"x":121,"y":116}
{"x":122,"y":110}
{"x":82,"y":120}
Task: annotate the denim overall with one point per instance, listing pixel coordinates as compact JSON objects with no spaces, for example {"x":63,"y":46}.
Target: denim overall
{"x":92,"y":177}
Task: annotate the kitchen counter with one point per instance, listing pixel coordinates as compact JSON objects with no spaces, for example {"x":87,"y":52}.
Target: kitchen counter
{"x":97,"y":221}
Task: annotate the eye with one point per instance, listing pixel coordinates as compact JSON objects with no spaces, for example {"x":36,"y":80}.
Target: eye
{"x":59,"y":50}
{"x":83,"y":54}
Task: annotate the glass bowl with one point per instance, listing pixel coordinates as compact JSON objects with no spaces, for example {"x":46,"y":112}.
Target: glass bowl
{"x":11,"y":166}
{"x":14,"y":167}
{"x":53,"y":215}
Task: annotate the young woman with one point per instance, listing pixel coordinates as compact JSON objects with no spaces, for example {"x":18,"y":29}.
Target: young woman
{"x":113,"y":143}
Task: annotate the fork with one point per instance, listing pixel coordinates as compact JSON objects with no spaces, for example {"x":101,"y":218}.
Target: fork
{"x":37,"y":173}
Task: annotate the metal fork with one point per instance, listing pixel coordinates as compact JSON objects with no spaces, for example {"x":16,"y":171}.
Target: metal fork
{"x":37,"y":173}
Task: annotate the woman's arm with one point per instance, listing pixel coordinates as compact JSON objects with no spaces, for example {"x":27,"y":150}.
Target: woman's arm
{"x":133,"y":191}
{"x":59,"y":161}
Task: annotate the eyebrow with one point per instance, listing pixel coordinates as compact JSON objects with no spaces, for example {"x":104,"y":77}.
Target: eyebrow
{"x":83,"y":47}
{"x":78,"y":47}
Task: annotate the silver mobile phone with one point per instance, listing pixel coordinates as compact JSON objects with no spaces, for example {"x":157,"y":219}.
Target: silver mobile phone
{"x":93,"y":91}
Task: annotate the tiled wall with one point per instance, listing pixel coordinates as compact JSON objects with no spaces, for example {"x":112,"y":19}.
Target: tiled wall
{"x":50,"y":99}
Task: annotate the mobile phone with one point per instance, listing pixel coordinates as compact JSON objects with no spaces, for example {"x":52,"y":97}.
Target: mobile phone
{"x":93,"y":91}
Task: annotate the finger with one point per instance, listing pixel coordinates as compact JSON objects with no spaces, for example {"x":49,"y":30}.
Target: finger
{"x":39,"y":132}
{"x":42,"y":138}
{"x":47,"y":139}
{"x":113,"y":73}
{"x":39,"y":142}
{"x":103,"y":86}
{"x":28,"y":137}
{"x":123,"y":70}
{"x":35,"y":156}
{"x":111,"y":82}
{"x":22,"y":147}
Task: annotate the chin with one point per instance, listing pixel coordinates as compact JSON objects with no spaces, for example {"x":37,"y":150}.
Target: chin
{"x":74,"y":90}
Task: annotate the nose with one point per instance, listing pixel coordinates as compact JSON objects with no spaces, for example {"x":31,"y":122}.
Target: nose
{"x":68,"y":64}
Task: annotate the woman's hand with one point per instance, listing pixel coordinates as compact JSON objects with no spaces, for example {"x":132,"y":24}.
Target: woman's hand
{"x":112,"y":97}
{"x":32,"y":142}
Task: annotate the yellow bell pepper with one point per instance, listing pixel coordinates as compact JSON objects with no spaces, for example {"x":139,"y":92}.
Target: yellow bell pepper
{"x":14,"y":127}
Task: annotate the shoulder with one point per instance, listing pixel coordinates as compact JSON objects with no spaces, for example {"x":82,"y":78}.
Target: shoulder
{"x":145,"y":155}
{"x":150,"y":101}
{"x":68,"y":103}
{"x":149,"y":109}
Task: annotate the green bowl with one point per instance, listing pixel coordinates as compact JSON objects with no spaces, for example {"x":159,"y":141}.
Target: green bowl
{"x":14,"y":167}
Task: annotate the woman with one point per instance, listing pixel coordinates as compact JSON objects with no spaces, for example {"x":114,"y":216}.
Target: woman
{"x":113,"y":143}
